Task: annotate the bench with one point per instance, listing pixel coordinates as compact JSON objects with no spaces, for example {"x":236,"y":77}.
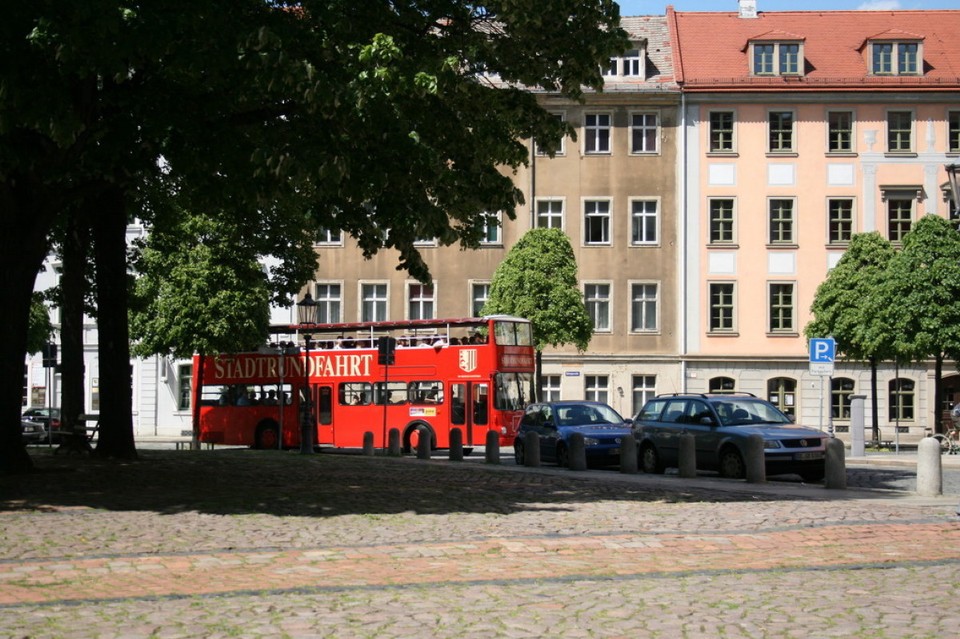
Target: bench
{"x":80,"y":439}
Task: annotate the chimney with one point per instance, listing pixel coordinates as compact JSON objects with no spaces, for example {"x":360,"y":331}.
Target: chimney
{"x":748,"y":8}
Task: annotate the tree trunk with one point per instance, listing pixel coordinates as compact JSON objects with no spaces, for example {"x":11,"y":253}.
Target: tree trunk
{"x":73,"y":286}
{"x":937,"y":394}
{"x":28,"y":215}
{"x":116,"y":403}
{"x":538,"y":377}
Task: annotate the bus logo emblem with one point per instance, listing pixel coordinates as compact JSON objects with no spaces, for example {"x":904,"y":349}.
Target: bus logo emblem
{"x":468,"y":360}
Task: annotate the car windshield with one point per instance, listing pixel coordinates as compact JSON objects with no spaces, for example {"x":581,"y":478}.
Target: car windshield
{"x":744,"y":412}
{"x":580,"y":414}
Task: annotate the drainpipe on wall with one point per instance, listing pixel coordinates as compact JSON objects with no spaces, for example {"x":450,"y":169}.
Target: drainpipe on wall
{"x":682,"y":205}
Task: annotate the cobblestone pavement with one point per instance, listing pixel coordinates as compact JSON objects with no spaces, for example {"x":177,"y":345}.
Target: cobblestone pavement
{"x":269,"y":544}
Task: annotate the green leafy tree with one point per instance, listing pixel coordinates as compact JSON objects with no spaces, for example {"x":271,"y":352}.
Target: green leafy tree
{"x":40,"y":327}
{"x":375,"y":118}
{"x":845,"y":307}
{"x":538,"y":281}
{"x":923,"y":293}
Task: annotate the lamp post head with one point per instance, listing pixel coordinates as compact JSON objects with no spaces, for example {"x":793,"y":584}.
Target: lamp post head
{"x":307,"y":309}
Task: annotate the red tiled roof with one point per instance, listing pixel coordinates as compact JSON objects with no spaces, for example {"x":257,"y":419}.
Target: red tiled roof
{"x":711,"y":48}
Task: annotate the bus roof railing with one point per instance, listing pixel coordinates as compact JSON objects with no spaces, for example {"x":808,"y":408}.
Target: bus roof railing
{"x":390,"y":325}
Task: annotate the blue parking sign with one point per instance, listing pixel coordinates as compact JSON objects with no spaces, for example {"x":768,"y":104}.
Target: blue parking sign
{"x":822,"y":353}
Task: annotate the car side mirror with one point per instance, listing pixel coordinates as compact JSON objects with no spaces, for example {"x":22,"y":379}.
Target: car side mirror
{"x":707,"y":421}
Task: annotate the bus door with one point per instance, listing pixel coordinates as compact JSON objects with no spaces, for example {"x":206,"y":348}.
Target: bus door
{"x":323,"y":413}
{"x":469,"y":411}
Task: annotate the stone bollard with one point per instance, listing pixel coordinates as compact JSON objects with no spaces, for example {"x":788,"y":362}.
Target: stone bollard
{"x":754,"y":460}
{"x":423,"y":443}
{"x":577,"y":454}
{"x":456,"y":444}
{"x":368,"y":444}
{"x":628,"y":455}
{"x":491,"y":453}
{"x":687,"y":456}
{"x":531,"y":449}
{"x":394,"y":447}
{"x":929,"y":468}
{"x":835,"y":466}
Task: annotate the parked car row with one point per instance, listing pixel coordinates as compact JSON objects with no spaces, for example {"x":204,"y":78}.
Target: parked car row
{"x":720,"y":424}
{"x":41,"y":425}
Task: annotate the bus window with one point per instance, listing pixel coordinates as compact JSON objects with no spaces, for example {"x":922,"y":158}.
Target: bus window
{"x":429,"y":392}
{"x":480,"y":397}
{"x":392,"y":392}
{"x":504,"y":333}
{"x":514,"y":391}
{"x":356,"y":393}
{"x":458,"y":412}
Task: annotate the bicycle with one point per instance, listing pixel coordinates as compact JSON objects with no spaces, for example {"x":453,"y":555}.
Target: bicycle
{"x":949,"y":441}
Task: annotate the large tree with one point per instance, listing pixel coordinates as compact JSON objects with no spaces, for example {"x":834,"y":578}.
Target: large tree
{"x":538,"y":281}
{"x":845,"y":307}
{"x":923,"y":295}
{"x":376,"y":118}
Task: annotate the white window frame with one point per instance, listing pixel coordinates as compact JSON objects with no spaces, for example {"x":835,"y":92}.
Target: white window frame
{"x":771,"y":239}
{"x":594,"y":140}
{"x":494,"y":222}
{"x":595,"y":303}
{"x":552,"y":388}
{"x":551,"y":214}
{"x":376,"y":300}
{"x":184,"y":390}
{"x":638,"y":217}
{"x":733,"y":222}
{"x":853,"y":219}
{"x":426,"y":305}
{"x":562,"y":149}
{"x":329,"y":303}
{"x":643,"y":388}
{"x":644,"y":126}
{"x":597,"y":211}
{"x":633,"y":286}
{"x":473,"y":287}
{"x":330,"y":237}
{"x":596,"y":388}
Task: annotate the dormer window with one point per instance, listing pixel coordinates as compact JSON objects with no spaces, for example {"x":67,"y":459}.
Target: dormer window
{"x":777,"y":58}
{"x":895,"y":58}
{"x":629,"y":65}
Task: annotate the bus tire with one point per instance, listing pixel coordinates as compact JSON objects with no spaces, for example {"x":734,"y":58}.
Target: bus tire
{"x":267,"y":436}
{"x":408,"y":445}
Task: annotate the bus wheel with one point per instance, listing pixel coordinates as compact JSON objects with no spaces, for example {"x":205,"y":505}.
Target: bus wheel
{"x":267,"y":437}
{"x":411,"y":437}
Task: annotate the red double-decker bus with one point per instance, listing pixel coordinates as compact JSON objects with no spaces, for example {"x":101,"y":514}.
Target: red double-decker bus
{"x":475,"y":374}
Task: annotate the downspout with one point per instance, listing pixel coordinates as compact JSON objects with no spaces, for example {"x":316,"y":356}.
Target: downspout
{"x":683,"y":241}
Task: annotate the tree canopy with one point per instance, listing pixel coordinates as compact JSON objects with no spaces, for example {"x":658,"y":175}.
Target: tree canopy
{"x":538,"y":281}
{"x":392,"y":121}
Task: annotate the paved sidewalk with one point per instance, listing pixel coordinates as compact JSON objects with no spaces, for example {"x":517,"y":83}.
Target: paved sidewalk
{"x":263,"y":544}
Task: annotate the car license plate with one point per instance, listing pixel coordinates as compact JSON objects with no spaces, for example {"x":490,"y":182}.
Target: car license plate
{"x":614,"y":451}
{"x":808,"y":456}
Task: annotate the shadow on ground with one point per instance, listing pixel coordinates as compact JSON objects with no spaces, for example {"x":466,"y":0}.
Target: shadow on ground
{"x":289,"y":484}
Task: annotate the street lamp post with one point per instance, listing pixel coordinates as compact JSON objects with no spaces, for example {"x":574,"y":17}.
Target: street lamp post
{"x":952,"y":170}
{"x":307,"y":314}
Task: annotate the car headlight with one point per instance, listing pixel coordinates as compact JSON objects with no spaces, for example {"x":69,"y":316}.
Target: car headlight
{"x":590,"y":441}
{"x":772,"y":443}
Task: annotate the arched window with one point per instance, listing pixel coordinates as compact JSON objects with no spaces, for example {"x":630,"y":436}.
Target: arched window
{"x":722,"y":385}
{"x":841,"y":388}
{"x":782,"y":393}
{"x":902,"y":400}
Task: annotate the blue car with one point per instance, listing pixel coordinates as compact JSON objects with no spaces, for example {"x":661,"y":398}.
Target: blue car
{"x":602,"y":427}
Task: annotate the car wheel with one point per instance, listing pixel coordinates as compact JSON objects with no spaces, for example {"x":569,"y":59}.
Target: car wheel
{"x":731,"y":464}
{"x":563,"y":456}
{"x":518,"y":452}
{"x":650,"y":460}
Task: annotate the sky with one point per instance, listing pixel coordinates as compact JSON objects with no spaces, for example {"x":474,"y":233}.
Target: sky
{"x":659,"y":7}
